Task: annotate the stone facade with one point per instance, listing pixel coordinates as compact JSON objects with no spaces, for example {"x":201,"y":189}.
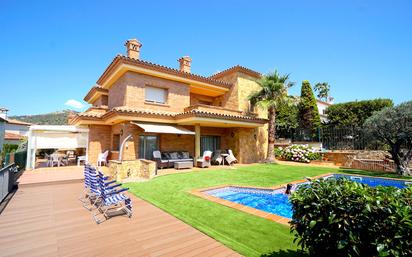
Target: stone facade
{"x":130,"y":171}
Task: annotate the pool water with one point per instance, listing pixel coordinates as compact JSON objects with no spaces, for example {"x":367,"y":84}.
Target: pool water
{"x":276,"y":202}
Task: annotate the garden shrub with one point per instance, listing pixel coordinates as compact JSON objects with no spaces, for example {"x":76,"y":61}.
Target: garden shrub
{"x":346,"y":218}
{"x":298,"y":153}
{"x":355,"y":113}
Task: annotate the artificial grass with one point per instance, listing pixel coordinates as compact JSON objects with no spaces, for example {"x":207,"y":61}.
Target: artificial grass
{"x":245,"y":233}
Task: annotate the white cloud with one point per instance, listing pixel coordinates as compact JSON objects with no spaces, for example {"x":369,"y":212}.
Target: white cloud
{"x":74,"y":103}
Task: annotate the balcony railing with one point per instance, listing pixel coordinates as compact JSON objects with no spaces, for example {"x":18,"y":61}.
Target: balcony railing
{"x":217,"y":109}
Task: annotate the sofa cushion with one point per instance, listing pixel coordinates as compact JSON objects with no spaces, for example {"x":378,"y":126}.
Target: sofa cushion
{"x":185,"y":155}
{"x":165,"y":156}
{"x":173,"y":155}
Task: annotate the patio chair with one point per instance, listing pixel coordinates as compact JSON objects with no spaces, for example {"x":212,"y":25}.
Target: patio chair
{"x":217,"y":157}
{"x":47,"y":156}
{"x":204,"y":162}
{"x":102,"y":158}
{"x":231,"y":159}
{"x":111,"y":200}
{"x":158,"y":158}
{"x":54,"y":159}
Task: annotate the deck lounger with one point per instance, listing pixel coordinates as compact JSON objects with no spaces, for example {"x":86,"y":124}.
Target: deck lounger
{"x":91,"y":186}
{"x":110,"y":200}
{"x":231,"y":159}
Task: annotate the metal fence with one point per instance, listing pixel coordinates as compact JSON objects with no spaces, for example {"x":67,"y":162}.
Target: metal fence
{"x":333,"y":138}
{"x":7,"y":180}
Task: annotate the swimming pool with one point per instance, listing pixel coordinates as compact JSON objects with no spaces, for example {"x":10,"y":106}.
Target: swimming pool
{"x":276,"y":202}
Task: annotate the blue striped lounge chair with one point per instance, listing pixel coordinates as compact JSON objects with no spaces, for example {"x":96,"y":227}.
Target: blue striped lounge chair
{"x":111,"y":200}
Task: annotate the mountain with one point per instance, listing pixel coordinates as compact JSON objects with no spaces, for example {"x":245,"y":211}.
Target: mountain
{"x":53,"y":118}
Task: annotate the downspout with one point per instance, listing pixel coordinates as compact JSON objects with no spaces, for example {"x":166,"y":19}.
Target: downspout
{"x":122,"y":145}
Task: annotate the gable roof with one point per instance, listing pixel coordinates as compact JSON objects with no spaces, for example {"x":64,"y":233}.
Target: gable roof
{"x":120,"y":59}
{"x":17,"y":122}
{"x":236,"y":68}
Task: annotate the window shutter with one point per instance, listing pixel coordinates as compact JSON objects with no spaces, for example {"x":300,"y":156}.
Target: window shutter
{"x":155,"y":94}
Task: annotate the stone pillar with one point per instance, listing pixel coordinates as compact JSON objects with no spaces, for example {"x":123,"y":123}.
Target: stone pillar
{"x":197,"y":141}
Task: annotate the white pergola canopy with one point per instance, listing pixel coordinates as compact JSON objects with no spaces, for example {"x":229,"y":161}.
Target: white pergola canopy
{"x":163,"y":128}
{"x":54,"y":137}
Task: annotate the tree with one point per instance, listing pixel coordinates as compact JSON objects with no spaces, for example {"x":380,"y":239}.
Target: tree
{"x":393,"y":126}
{"x":355,"y":113}
{"x":322,"y":90}
{"x":272,"y":94}
{"x":287,"y":114}
{"x":308,"y":109}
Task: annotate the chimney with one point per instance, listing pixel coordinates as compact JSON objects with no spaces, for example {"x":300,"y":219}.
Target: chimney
{"x":185,"y":63}
{"x":3,"y":113}
{"x":133,"y":48}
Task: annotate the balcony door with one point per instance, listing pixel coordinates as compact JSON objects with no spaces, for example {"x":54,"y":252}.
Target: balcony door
{"x":148,"y":144}
{"x":209,"y":143}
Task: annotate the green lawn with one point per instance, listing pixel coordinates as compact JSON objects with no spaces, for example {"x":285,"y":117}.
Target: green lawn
{"x":247,"y":234}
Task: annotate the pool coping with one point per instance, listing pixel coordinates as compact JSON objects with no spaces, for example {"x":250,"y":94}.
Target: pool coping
{"x":263,"y":214}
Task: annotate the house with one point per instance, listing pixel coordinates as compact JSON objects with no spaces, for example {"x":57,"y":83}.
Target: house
{"x":322,"y":106}
{"x":139,"y":106}
{"x":14,"y":130}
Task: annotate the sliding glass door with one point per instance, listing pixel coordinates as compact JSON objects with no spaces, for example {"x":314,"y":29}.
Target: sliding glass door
{"x":209,"y":143}
{"x":148,"y":144}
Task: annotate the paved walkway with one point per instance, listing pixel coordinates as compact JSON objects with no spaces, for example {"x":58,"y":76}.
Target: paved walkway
{"x":48,"y":220}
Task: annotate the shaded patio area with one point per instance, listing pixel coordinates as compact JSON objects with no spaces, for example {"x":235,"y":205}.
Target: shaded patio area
{"x":46,"y":219}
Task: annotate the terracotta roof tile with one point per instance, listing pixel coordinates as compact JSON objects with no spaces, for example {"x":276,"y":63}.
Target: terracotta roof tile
{"x":161,"y":68}
{"x":18,"y":122}
{"x":142,"y":111}
{"x":208,"y":114}
{"x":94,"y":90}
{"x":12,"y":136}
{"x":236,"y":68}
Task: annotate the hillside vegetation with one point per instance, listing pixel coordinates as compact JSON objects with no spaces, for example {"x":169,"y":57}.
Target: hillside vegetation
{"x":53,"y":118}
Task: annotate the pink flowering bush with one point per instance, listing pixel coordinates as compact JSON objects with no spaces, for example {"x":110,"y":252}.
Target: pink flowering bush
{"x":298,"y":153}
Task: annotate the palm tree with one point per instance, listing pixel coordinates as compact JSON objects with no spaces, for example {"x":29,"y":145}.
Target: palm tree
{"x":273,"y":94}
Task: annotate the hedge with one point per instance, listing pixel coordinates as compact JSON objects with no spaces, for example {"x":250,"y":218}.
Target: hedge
{"x":346,"y":218}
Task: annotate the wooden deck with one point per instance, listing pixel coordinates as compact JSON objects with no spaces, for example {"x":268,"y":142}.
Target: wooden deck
{"x":48,"y":220}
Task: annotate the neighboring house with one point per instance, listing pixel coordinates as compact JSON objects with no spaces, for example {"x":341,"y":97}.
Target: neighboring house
{"x":17,"y":127}
{"x":322,"y":109}
{"x":172,"y":109}
{"x":14,"y":131}
{"x":12,"y":138}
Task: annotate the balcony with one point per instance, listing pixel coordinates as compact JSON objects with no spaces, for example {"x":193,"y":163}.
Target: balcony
{"x":218,"y":109}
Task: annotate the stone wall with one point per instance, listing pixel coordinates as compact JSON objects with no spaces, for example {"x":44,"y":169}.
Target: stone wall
{"x":129,"y":171}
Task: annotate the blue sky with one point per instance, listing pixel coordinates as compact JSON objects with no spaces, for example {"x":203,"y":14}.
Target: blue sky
{"x":53,"y":51}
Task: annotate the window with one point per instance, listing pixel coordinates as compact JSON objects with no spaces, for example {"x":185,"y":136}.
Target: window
{"x":155,"y":95}
{"x":209,"y":143}
{"x":116,"y":142}
{"x":205,"y":102}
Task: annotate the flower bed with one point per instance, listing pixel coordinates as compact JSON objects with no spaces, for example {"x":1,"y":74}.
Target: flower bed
{"x":298,"y":153}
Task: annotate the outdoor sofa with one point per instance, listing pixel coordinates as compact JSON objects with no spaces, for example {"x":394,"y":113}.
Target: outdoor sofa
{"x":167,"y":159}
